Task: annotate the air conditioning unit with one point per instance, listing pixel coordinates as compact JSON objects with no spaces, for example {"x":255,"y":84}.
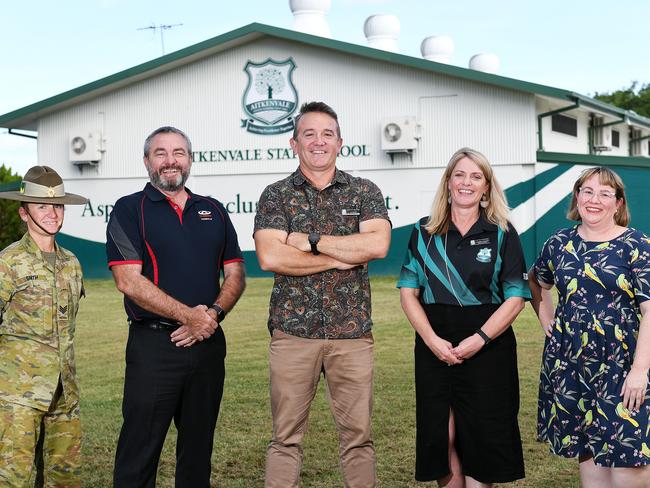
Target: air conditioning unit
{"x":399,"y":134}
{"x":85,"y":147}
{"x":637,"y":150}
{"x":639,"y":146}
{"x":602,"y":136}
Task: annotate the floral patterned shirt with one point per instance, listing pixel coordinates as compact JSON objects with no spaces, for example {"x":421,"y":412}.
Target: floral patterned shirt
{"x":334,"y":304}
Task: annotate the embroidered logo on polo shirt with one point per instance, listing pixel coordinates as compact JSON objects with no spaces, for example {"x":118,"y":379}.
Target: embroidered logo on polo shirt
{"x":205,"y":214}
{"x":484,"y":255}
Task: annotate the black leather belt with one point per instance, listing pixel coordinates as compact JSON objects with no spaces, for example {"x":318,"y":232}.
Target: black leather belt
{"x":156,"y":324}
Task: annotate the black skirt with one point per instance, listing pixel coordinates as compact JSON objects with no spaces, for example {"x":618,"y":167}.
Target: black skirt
{"x":483,"y":393}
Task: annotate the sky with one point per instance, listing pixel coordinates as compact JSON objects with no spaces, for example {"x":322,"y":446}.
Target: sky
{"x":50,"y":47}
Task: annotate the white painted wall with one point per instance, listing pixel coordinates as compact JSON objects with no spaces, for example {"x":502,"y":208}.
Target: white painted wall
{"x":558,"y":142}
{"x":205,"y":100}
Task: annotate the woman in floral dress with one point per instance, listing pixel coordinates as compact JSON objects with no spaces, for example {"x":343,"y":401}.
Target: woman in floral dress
{"x":592,"y":398}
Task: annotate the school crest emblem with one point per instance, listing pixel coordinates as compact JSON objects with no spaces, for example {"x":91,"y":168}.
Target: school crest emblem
{"x":484,"y":255}
{"x":270,"y":97}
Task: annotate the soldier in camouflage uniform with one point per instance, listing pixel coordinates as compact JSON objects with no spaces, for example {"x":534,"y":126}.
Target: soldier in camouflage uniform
{"x":40,"y":288}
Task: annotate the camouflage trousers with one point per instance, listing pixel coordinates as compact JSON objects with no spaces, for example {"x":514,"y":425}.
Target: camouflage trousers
{"x":20,"y":430}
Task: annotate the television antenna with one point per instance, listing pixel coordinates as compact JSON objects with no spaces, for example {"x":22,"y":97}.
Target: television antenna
{"x":162,"y":28}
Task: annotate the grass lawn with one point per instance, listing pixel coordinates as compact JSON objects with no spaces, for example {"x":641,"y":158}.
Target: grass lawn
{"x":244,"y":425}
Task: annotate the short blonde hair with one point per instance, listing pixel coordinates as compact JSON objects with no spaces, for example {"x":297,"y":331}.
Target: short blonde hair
{"x":497,"y":209}
{"x":606,"y":177}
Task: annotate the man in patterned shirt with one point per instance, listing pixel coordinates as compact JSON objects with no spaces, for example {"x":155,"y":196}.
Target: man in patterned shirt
{"x":317,"y":230}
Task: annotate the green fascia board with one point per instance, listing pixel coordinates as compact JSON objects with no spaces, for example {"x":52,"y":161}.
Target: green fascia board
{"x":592,"y":159}
{"x":28,"y":114}
{"x":596,"y":104}
{"x":128,"y":76}
{"x":600,"y":106}
{"x":637,"y":119}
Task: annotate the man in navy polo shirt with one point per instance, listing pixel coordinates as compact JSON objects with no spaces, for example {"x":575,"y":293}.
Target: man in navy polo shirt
{"x":167,"y":248}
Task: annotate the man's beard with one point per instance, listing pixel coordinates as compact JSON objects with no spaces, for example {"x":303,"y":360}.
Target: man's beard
{"x":165,"y":184}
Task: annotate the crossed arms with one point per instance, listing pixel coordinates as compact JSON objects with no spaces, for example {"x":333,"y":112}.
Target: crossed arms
{"x":290,"y":254}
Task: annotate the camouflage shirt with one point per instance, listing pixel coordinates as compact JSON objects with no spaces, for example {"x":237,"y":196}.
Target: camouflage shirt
{"x":39,"y":304}
{"x":333,"y":304}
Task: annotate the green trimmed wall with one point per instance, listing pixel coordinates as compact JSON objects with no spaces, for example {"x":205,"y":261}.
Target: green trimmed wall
{"x":92,"y":255}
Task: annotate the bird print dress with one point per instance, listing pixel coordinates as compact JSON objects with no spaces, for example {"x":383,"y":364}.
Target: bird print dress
{"x":585,"y":361}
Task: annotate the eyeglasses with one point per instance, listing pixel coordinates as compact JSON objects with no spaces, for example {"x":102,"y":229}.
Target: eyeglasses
{"x":603,"y":196}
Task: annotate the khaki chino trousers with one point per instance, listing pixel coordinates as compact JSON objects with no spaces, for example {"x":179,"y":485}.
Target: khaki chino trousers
{"x":295,"y":365}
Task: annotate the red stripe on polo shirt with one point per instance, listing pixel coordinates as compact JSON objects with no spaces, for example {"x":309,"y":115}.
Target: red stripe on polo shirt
{"x":177,"y":209}
{"x":154,"y":262}
{"x":236,"y":260}
{"x":117,"y":263}
{"x":144,"y":237}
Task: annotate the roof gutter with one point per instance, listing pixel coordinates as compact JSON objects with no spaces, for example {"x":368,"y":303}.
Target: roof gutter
{"x":631,"y":117}
{"x":540,"y":140}
{"x":14,"y":133}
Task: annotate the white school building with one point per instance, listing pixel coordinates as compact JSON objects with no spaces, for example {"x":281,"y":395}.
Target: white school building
{"x":402,"y":117}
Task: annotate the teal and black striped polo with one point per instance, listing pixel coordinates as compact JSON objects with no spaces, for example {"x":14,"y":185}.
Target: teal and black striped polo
{"x":485,"y":266}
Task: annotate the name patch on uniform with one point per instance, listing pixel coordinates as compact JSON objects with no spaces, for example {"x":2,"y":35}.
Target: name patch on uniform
{"x":205,"y":214}
{"x":349,"y":211}
{"x":484,"y":255}
{"x":479,"y":242}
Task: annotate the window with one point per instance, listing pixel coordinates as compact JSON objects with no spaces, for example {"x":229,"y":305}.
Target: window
{"x":616,"y":138}
{"x":564,"y":124}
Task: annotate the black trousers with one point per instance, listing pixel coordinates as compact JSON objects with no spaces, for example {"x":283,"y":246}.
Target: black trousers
{"x":164,"y":382}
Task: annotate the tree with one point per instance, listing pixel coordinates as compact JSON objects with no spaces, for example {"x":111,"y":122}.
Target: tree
{"x":268,"y":80}
{"x":632,"y":98}
{"x":11,"y":227}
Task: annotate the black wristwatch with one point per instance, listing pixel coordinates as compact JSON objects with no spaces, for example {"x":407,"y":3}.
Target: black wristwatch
{"x":221,"y":313}
{"x":484,"y":336}
{"x":314,"y":238}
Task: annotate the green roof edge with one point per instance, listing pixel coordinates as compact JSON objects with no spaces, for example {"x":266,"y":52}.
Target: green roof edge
{"x":346,"y":47}
{"x":256,"y":28}
{"x":592,"y":159}
{"x":612,"y":109}
{"x":127,"y":73}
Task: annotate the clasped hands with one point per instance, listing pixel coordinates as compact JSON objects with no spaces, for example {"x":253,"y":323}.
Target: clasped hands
{"x":199,"y":323}
{"x":445,"y":351}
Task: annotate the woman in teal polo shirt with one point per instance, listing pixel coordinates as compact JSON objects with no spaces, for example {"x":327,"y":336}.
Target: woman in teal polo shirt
{"x":462,"y":284}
